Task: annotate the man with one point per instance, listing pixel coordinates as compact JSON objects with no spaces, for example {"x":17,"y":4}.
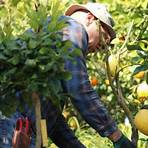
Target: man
{"x":89,"y":29}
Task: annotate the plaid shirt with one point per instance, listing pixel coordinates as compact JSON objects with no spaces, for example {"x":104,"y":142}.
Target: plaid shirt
{"x":83,"y":96}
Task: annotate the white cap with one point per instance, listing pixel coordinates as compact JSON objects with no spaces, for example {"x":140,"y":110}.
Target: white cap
{"x":99,"y":11}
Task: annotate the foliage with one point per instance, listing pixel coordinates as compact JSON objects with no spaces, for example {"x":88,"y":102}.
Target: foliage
{"x":92,"y":140}
{"x":130,"y":45}
{"x":28,"y":63}
{"x":32,"y":60}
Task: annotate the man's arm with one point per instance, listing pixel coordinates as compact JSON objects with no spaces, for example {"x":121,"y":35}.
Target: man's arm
{"x":83,"y":96}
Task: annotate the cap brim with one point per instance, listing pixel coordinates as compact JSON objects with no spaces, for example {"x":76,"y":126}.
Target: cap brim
{"x":74,"y":8}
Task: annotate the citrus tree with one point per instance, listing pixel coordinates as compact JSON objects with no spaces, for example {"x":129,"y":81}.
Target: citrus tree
{"x":126,"y":62}
{"x":121,"y":83}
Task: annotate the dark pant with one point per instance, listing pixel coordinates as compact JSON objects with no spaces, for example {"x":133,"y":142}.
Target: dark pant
{"x":58,"y":130}
{"x":63,"y":137}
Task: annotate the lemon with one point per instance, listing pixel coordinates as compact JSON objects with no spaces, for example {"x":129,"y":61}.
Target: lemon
{"x":107,"y":82}
{"x":73,"y":123}
{"x":142,"y":90}
{"x":113,"y":63}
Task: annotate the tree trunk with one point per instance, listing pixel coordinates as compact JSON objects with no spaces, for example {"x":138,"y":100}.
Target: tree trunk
{"x":37,"y":104}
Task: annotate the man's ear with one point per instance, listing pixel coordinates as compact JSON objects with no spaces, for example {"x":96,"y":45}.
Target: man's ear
{"x":90,"y":17}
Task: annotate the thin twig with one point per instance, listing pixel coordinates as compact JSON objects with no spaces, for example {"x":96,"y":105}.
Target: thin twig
{"x":127,"y":37}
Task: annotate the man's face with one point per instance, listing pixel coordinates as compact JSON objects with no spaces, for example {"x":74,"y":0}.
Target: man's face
{"x":98,"y":36}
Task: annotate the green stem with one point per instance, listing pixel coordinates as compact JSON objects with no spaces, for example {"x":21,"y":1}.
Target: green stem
{"x":127,"y":38}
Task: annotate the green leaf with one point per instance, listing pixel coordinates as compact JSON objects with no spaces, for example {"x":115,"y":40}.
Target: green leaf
{"x":6,"y":105}
{"x":11,"y":44}
{"x":76,"y":52}
{"x":11,"y":71}
{"x":41,"y":68}
{"x":147,"y":77}
{"x":30,"y":62}
{"x":66,"y":75}
{"x":32,"y":44}
{"x":27,"y":35}
{"x":15,"y":2}
{"x":49,"y":66}
{"x":143,"y":54}
{"x":134,"y":47}
{"x":136,"y":59}
{"x":2,"y":57}
{"x":55,"y":86}
{"x":32,"y":86}
{"x":43,"y":50}
{"x":143,"y":67}
{"x":8,"y":30}
{"x":15,"y":59}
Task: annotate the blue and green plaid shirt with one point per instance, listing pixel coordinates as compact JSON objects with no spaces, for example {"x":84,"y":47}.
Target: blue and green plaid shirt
{"x":83,"y":96}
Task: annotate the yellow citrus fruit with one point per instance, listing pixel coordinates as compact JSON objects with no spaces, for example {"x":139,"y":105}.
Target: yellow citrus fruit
{"x":141,"y":121}
{"x":107,"y":82}
{"x":113,"y":63}
{"x":73,"y":123}
{"x":94,"y":81}
{"x":139,"y":75}
{"x":142,"y":90}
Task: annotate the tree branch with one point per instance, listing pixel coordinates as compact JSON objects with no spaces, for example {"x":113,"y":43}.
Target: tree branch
{"x":117,"y":90}
{"x":121,"y":101}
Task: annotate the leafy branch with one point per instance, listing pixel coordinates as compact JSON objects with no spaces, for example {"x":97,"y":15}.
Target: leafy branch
{"x":117,"y":89}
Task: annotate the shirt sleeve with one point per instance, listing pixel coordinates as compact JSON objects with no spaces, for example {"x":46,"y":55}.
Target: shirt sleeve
{"x":83,"y":96}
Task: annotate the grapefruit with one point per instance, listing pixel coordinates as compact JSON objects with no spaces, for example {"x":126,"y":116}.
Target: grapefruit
{"x":141,"y":121}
